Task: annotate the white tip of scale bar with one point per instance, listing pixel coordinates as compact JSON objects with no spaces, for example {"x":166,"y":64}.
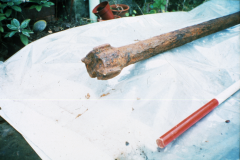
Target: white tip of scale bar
{"x":228,"y":92}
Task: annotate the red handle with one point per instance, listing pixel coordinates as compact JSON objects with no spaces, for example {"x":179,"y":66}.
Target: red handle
{"x":186,"y":123}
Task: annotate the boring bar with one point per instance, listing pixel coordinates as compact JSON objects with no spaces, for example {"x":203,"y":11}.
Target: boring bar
{"x":106,"y":62}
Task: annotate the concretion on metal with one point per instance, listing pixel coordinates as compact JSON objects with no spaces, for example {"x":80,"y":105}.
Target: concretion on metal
{"x":186,"y":123}
{"x":106,"y":62}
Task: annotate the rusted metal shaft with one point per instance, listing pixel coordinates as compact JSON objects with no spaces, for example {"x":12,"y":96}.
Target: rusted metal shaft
{"x":105,"y":61}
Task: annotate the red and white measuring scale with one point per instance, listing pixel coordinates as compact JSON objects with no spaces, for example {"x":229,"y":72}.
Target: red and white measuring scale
{"x":196,"y":116}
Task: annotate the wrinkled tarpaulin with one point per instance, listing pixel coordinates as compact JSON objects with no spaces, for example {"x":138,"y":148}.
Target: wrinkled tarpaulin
{"x":44,"y":90}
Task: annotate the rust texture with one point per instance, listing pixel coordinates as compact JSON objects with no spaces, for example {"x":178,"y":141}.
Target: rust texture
{"x":106,"y":62}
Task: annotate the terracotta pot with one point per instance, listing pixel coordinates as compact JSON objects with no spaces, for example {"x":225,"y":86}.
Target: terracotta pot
{"x":120,"y":9}
{"x":115,"y":17}
{"x":103,"y":10}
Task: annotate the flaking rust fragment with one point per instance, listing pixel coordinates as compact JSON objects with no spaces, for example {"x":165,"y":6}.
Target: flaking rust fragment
{"x":106,"y":62}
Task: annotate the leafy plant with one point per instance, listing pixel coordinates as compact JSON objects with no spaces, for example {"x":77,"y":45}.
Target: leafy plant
{"x":10,"y":6}
{"x":184,"y":5}
{"x":1,"y":28}
{"x":9,"y":11}
{"x":2,"y":17}
{"x":159,"y":5}
{"x":16,"y":27}
{"x":42,"y":4}
{"x":134,"y":12}
{"x":153,"y":11}
{"x":170,"y":5}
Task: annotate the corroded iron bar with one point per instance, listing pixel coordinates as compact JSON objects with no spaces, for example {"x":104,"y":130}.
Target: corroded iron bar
{"x":105,"y":62}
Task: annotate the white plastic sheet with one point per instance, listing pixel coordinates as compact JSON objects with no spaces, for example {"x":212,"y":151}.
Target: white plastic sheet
{"x":44,"y":88}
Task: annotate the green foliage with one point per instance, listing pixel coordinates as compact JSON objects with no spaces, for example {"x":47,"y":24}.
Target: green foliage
{"x":10,"y":6}
{"x":26,"y":32}
{"x":12,"y":27}
{"x":6,"y":13}
{"x":2,"y":17}
{"x":24,"y":39}
{"x":25,"y":23}
{"x":12,"y":33}
{"x":38,"y":7}
{"x":134,"y":12}
{"x":42,"y":4}
{"x":184,"y":5}
{"x":172,"y":5}
{"x":15,"y":22}
{"x":153,"y":11}
{"x":16,"y":8}
{"x":159,"y":5}
{"x":15,"y":26}
{"x":140,"y":2}
{"x":1,"y":29}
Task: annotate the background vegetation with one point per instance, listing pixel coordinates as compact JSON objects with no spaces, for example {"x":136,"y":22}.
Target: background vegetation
{"x":17,"y":29}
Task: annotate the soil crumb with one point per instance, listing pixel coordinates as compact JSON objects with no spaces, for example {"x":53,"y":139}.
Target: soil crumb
{"x":105,"y":94}
{"x":87,"y":96}
{"x":227,"y":121}
{"x":78,"y":116}
{"x":81,"y":114}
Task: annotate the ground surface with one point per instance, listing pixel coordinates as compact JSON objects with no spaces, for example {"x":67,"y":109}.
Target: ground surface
{"x":13,"y":146}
